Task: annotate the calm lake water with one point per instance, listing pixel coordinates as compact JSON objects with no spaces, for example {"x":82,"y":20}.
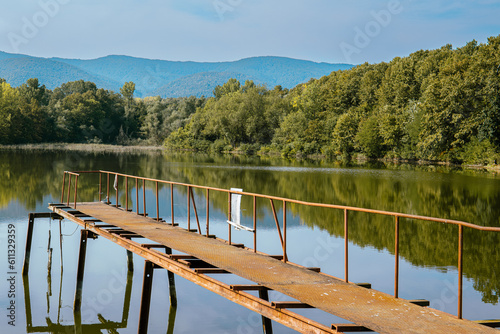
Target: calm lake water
{"x":111,"y":294}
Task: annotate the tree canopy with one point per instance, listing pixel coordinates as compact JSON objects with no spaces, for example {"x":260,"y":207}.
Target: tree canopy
{"x":440,"y":105}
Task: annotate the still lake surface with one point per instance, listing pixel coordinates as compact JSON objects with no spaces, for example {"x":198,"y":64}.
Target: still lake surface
{"x":111,"y":294}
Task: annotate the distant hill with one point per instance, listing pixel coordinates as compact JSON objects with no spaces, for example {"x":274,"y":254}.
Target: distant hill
{"x":49,"y":72}
{"x":161,"y":77}
{"x":202,"y":83}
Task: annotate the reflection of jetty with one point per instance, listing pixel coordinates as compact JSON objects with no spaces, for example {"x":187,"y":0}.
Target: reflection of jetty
{"x":203,"y":255}
{"x":78,"y":326}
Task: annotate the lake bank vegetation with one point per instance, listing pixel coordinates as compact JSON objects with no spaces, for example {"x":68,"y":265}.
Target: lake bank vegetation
{"x":434,"y":105}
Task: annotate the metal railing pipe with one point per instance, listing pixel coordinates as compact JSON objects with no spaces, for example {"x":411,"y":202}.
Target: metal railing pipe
{"x":116,"y":184}
{"x":208,"y":211}
{"x":229,"y":216}
{"x":76,"y":188}
{"x":100,"y":186}
{"x":460,"y":269}
{"x":172,"y":202}
{"x":107,"y":192}
{"x":189,"y":208}
{"x":137,"y":195}
{"x":64,"y":181}
{"x":277,"y":224}
{"x":346,"y":246}
{"x":157,"y":204}
{"x":254,"y":224}
{"x":126,"y":193}
{"x":396,"y":256}
{"x":285,"y":258}
{"x":144,"y":196}
{"x":69,"y":189}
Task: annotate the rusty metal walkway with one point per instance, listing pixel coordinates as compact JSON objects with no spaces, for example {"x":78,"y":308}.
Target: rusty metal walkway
{"x":203,"y":255}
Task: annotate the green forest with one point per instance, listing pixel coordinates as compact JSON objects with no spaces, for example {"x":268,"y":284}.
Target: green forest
{"x":437,"y":105}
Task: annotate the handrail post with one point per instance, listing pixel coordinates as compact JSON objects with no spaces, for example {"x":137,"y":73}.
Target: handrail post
{"x":285,"y":258}
{"x":396,"y":255}
{"x":460,"y":269}
{"x":254,"y":224}
{"x":126,"y":193}
{"x":172,"y":202}
{"x":189,"y":208}
{"x":144,"y":195}
{"x":100,"y":186}
{"x":116,"y":178}
{"x":277,"y":222}
{"x":346,"y":245}
{"x":229,"y":216}
{"x":195,"y":210}
{"x":64,"y":182}
{"x":208,"y":211}
{"x":107,"y":192}
{"x":157,"y":206}
{"x":69,"y":189}
{"x":76,"y":188}
{"x":137,"y":195}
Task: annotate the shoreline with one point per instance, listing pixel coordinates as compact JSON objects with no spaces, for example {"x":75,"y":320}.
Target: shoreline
{"x":82,"y":147}
{"x":109,"y":148}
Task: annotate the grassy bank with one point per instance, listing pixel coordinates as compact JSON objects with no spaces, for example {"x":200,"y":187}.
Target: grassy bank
{"x":83,"y":147}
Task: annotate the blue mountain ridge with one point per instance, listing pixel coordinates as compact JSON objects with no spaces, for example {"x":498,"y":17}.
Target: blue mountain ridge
{"x":162,"y":77}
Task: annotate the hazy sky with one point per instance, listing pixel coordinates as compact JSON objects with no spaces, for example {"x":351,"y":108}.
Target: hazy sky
{"x":348,"y":31}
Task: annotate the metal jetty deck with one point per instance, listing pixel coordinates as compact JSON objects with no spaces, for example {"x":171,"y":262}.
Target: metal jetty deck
{"x":204,"y":255}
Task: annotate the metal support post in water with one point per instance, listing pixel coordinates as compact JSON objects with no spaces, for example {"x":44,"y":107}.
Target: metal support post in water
{"x":85,"y":234}
{"x":29,"y":238}
{"x":171,"y":319}
{"x":130,"y":260}
{"x":146,"y":297}
{"x":266,"y":322}
{"x":171,"y":283}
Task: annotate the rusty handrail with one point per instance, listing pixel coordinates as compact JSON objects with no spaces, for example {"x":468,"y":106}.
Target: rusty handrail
{"x":282,"y":236}
{"x":76,"y":175}
{"x":314,"y":204}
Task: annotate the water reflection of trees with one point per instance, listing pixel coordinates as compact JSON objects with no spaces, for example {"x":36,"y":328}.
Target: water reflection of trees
{"x":27,"y":178}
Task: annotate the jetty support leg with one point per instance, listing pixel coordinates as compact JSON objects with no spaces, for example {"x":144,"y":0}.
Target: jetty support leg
{"x":29,"y":238}
{"x":130,"y":261}
{"x":171,"y":283}
{"x":29,"y":235}
{"x":85,"y":234}
{"x":266,"y":322}
{"x":146,"y":297}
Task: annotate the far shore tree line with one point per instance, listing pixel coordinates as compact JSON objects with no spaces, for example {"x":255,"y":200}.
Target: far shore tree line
{"x":439,"y":105}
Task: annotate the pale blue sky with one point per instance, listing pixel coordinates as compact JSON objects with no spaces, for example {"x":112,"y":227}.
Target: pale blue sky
{"x":334,"y":31}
